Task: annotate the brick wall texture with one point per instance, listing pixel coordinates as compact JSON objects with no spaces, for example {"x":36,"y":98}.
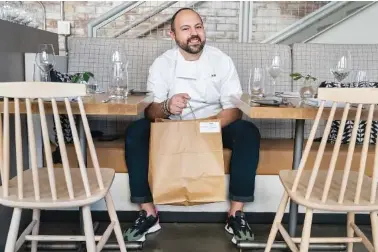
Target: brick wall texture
{"x":221,"y":18}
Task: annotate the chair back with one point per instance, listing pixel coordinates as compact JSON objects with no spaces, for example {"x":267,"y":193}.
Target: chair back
{"x":357,"y":104}
{"x":41,"y":98}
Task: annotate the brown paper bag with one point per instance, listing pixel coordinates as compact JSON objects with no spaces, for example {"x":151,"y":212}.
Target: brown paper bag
{"x":186,"y":164}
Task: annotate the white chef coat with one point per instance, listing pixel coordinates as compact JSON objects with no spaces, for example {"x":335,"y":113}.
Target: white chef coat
{"x":209,"y":81}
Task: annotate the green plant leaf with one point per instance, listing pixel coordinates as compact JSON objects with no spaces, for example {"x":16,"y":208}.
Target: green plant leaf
{"x":86,"y":76}
{"x":295,"y":74}
{"x":298,"y":76}
{"x":75,"y":78}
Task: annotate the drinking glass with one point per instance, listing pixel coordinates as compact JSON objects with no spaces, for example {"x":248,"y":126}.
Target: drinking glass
{"x":45,"y":60}
{"x":256,"y":83}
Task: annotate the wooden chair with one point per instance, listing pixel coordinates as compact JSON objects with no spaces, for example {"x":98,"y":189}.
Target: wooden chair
{"x":334,"y":190}
{"x":46,"y":188}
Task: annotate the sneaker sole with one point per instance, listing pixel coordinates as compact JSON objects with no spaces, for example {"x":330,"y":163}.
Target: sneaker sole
{"x":230,"y":231}
{"x":153,"y":229}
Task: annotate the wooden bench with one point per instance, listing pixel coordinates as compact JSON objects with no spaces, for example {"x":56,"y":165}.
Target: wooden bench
{"x":275,"y":155}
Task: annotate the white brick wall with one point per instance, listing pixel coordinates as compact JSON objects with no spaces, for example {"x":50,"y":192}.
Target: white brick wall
{"x":221,"y":17}
{"x":227,"y":27}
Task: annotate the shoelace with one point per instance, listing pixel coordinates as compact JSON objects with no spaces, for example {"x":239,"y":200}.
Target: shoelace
{"x":141,"y":219}
{"x":243,"y":223}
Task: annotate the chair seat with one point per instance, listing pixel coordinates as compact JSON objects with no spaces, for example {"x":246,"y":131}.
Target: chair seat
{"x":331,"y":204}
{"x":63,"y":200}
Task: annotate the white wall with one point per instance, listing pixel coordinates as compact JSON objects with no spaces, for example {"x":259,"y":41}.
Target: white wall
{"x":268,"y":193}
{"x":361,"y":28}
{"x":30,"y":68}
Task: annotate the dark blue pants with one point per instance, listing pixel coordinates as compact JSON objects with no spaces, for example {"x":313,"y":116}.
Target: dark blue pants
{"x":242,"y":137}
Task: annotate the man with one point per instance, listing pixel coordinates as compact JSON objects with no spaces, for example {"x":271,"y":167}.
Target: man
{"x":193,"y":78}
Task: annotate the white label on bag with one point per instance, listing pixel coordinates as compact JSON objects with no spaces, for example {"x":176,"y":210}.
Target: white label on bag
{"x":209,"y":127}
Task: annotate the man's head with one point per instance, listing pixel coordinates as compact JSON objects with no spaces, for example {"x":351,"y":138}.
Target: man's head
{"x":187,"y":30}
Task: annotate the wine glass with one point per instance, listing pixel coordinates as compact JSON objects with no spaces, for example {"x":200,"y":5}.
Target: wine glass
{"x":274,"y":70}
{"x":45,"y":60}
{"x":342,"y":67}
{"x":256,"y":83}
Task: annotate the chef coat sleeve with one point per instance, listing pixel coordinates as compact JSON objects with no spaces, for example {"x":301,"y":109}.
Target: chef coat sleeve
{"x":156,"y":82}
{"x":230,"y":85}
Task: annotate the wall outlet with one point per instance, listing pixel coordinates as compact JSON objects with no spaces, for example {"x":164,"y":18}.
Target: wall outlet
{"x":64,"y":28}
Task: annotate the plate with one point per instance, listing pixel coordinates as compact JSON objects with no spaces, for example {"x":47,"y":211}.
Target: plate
{"x":267,"y":102}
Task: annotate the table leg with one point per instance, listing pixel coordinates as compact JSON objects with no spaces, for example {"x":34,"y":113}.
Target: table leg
{"x":83,"y":139}
{"x":298,"y":147}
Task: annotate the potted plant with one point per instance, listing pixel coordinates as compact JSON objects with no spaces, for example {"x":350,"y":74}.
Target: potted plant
{"x":308,"y":87}
{"x":88,"y":79}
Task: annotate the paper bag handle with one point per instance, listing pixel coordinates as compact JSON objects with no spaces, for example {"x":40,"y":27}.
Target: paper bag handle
{"x":191,"y":109}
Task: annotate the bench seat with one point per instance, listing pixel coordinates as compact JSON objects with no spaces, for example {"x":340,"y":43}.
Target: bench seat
{"x":275,"y":155}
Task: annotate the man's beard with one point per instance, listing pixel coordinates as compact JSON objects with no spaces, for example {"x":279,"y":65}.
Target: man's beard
{"x":192,"y":49}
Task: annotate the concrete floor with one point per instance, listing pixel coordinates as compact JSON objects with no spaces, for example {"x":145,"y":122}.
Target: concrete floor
{"x":197,"y":237}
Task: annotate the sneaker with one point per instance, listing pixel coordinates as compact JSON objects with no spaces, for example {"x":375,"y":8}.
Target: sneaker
{"x":142,"y":226}
{"x":238,"y":226}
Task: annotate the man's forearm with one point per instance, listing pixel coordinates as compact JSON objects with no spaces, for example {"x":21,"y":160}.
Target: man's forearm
{"x":155,"y":110}
{"x":228,"y":116}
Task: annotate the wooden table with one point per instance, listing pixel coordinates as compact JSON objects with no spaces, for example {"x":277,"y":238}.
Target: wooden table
{"x":299,"y":114}
{"x":289,"y":112}
{"x":94,"y":105}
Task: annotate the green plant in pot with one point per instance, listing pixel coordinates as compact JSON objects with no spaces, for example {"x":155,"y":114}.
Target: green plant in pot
{"x":82,"y":77}
{"x":308,"y":87}
{"x":86,"y":78}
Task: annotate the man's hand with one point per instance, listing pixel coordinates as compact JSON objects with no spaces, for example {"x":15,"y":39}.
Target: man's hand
{"x":177,"y":103}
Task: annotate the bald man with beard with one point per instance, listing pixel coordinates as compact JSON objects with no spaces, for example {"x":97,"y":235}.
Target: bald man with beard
{"x":206,"y":77}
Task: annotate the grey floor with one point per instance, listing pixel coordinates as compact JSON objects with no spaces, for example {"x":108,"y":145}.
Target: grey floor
{"x":197,"y":237}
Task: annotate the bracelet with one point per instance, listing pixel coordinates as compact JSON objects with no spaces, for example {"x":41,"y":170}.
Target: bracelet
{"x":165,"y":108}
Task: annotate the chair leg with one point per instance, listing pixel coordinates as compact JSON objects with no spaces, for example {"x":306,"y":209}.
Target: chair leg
{"x":350,"y":230}
{"x":88,"y":229}
{"x":13,"y":230}
{"x":277,"y":219}
{"x":35,"y":231}
{"x":306,"y":232}
{"x":374,"y":228}
{"x":113,"y":217}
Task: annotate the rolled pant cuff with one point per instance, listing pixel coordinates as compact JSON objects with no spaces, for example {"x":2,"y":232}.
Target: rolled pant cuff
{"x":141,"y":200}
{"x":241,"y":198}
